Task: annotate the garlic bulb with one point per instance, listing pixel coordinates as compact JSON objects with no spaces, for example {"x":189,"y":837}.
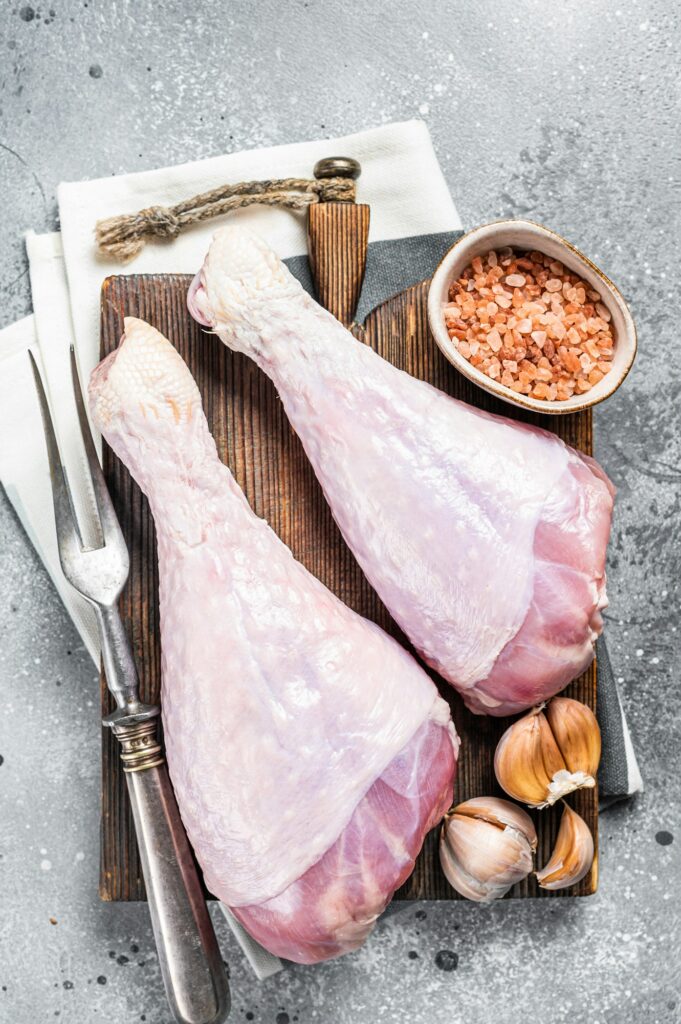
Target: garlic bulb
{"x":572,"y":855}
{"x":486,"y":846}
{"x":545,"y":755}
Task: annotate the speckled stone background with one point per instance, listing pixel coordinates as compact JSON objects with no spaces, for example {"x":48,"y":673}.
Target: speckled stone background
{"x":566,"y":113}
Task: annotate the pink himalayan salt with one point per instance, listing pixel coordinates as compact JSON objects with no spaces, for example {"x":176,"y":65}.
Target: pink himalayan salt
{"x":525,"y":320}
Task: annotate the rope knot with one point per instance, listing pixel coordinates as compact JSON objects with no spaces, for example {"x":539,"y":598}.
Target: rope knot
{"x":159,"y":221}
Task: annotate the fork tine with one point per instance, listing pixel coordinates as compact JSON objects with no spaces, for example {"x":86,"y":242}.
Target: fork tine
{"x":110,"y":527}
{"x":68,"y":535}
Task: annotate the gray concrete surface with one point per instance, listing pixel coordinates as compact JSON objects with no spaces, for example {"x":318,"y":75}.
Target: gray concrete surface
{"x":565,"y":113}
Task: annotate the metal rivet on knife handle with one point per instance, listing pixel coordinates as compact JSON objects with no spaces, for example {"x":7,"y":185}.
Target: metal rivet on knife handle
{"x":338,"y":167}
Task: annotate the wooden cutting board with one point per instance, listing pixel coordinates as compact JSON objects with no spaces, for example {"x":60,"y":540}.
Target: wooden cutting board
{"x":256,"y":441}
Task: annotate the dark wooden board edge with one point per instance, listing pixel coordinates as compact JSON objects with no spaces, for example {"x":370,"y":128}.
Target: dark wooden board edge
{"x":398,"y":328}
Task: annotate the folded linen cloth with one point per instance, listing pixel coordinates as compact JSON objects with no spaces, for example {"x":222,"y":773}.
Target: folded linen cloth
{"x":413,"y":222}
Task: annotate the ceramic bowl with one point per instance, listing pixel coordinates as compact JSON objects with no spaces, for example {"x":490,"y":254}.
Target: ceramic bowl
{"x":523,"y":234}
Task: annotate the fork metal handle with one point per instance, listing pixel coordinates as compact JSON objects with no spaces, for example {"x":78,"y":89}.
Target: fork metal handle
{"x":119,"y":665}
{"x":191,"y":965}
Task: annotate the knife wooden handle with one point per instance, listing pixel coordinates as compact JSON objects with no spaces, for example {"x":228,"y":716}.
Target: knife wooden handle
{"x":338,"y":236}
{"x":191,"y":965}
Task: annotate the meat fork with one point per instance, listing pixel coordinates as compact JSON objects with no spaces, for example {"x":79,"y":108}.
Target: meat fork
{"x":192,"y":968}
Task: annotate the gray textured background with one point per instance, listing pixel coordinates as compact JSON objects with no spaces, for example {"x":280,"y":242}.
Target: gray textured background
{"x":566,"y":113}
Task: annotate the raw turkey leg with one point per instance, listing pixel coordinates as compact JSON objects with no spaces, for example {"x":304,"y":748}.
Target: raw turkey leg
{"x":485,"y":538}
{"x":309,"y":752}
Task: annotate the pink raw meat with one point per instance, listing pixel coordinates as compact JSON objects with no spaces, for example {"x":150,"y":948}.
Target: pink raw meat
{"x":485,"y":538}
{"x":310,"y":754}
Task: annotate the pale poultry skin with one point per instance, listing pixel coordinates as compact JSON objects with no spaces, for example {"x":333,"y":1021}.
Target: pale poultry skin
{"x":485,"y":538}
{"x":309,"y":752}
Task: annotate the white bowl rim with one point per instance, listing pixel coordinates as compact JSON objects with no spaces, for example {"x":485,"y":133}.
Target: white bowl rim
{"x":458,"y":251}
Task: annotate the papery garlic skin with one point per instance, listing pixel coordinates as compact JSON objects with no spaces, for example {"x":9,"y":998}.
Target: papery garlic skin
{"x":486,"y":846}
{"x":546,"y":755}
{"x":564,"y":782}
{"x":572,"y":855}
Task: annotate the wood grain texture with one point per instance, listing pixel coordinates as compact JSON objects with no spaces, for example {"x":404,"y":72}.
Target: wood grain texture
{"x":337,"y":238}
{"x":256,"y":441}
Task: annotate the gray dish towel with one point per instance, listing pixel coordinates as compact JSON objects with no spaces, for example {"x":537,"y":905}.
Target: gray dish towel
{"x":392,"y":266}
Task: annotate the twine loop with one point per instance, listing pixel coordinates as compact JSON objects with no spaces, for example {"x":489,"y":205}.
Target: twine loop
{"x":123,"y":237}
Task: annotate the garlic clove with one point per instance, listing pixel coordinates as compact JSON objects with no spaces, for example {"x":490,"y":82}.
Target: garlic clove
{"x":486,"y":846}
{"x":464,"y":881}
{"x":501,"y":813}
{"x":527,"y":758}
{"x":576,"y":733}
{"x":572,"y":855}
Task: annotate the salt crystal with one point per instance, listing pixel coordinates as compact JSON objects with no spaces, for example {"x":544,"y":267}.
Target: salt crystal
{"x":554,"y":285}
{"x":603,"y":312}
{"x":539,"y":337}
{"x":515,"y":280}
{"x":494,"y":340}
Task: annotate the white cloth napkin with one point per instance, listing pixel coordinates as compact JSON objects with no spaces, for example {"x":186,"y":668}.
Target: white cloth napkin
{"x":402,"y":182}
